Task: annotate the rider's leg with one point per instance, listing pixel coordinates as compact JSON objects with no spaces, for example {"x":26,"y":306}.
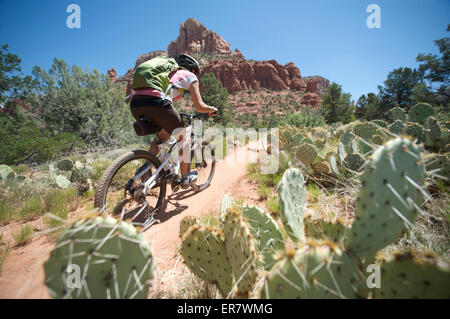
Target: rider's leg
{"x":184,"y":155}
{"x":163,"y":136}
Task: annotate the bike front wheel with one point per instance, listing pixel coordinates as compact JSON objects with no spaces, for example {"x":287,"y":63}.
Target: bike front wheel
{"x":121,"y":188}
{"x":204,"y":162}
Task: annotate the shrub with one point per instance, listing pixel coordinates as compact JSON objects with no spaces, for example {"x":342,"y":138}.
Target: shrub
{"x":308,"y":118}
{"x":24,"y":235}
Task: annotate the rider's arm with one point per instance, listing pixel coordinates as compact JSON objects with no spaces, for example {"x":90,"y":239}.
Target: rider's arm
{"x":199,"y":105}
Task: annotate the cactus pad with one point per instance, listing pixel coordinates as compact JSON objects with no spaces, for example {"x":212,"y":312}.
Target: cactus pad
{"x":388,"y":201}
{"x":365,"y":130}
{"x":186,"y":223}
{"x":203,"y":250}
{"x":414,"y":274}
{"x":397,"y":113}
{"x":306,"y":153}
{"x":416,"y":131}
{"x":115,"y":261}
{"x":333,"y":230}
{"x":266,"y":233}
{"x":316,"y":270}
{"x":6,"y":173}
{"x":354,"y":161}
{"x":62,"y":181}
{"x":65,"y":165}
{"x":292,"y":198}
{"x":396,"y":127}
{"x":420,"y":112}
{"x":241,"y":249}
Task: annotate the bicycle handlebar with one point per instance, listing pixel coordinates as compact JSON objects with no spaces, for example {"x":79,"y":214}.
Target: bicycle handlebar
{"x":190,"y":117}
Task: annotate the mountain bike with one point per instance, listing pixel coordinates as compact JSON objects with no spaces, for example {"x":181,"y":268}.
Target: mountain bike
{"x":134,"y":185}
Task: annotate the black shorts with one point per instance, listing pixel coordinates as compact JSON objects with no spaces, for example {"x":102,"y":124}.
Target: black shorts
{"x":159,"y":110}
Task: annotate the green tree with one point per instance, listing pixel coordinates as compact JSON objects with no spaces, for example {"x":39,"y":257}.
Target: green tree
{"x":12,"y":83}
{"x":215,"y":94}
{"x":368,"y":108}
{"x":336,"y":106}
{"x":398,"y":88}
{"x":86,"y":103}
{"x":436,"y":68}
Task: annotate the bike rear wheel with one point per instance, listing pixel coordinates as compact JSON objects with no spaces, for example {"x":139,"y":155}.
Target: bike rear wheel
{"x":204,"y":162}
{"x":119,"y":194}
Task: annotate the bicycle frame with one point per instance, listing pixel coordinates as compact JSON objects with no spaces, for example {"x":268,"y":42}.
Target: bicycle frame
{"x":167,"y":161}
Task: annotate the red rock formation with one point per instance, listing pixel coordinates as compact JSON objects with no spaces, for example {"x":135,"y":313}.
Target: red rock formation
{"x":311,"y":86}
{"x":322,"y":83}
{"x":297,"y":83}
{"x":233,"y":70}
{"x":311,"y":99}
{"x":237,"y":75}
{"x":112,"y":73}
{"x":195,"y":37}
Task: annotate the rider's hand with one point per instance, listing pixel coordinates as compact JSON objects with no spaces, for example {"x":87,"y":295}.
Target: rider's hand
{"x":213,"y":112}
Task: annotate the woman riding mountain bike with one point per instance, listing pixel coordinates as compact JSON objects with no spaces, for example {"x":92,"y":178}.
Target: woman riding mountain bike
{"x":153,"y":97}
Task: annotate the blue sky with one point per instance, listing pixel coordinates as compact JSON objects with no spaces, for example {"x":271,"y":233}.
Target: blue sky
{"x":323,"y":37}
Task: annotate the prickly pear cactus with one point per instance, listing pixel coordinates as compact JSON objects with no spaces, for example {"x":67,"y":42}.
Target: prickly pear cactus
{"x":354,"y":162}
{"x":380,"y":123}
{"x":365,"y":130}
{"x":420,"y":112}
{"x":297,"y":139}
{"x":6,"y":173}
{"x":440,"y":165}
{"x":333,"y":230}
{"x":80,"y":173}
{"x":396,"y":127}
{"x":186,"y":223}
{"x":416,"y":131}
{"x":100,"y":258}
{"x":62,"y":181}
{"x":321,"y":167}
{"x":334,"y":166}
{"x":315,"y":270}
{"x":306,"y":153}
{"x":225,"y":203}
{"x":414,"y":274}
{"x":292,"y":199}
{"x":242,"y":253}
{"x":65,"y":165}
{"x":342,"y":152}
{"x":346,"y":140}
{"x":391,"y":195}
{"x":397,"y":113}
{"x":204,"y":252}
{"x":266,"y":233}
{"x":287,"y":136}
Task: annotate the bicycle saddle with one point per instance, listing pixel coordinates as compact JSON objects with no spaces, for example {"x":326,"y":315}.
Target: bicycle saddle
{"x":145,"y":126}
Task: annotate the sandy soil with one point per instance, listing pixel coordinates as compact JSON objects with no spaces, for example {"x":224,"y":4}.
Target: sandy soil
{"x":22,"y":275}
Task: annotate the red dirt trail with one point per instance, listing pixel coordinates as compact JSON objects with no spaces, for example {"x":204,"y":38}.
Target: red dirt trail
{"x":22,"y":274}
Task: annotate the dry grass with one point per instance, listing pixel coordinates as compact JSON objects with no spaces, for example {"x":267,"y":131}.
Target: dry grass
{"x":180,"y":283}
{"x":430,"y":231}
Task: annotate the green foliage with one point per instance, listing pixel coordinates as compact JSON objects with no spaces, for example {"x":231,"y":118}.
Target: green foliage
{"x":436,"y":68}
{"x":215,"y":94}
{"x":23,"y":141}
{"x":23,"y":236}
{"x":398,"y":88}
{"x":306,"y":118}
{"x":33,"y":207}
{"x":12,"y":83}
{"x":336,"y":106}
{"x":85,"y":103}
